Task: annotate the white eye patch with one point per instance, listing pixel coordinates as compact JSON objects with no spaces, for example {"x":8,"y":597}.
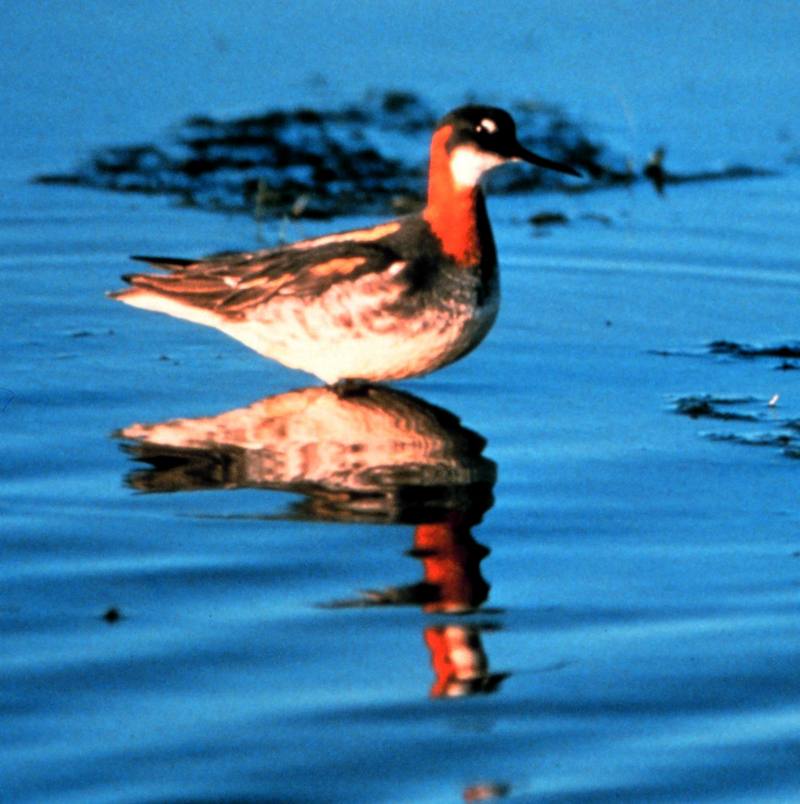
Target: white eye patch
{"x":488,"y":125}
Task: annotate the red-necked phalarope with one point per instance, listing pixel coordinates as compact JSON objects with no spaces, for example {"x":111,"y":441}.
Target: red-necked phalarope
{"x":396,"y":300}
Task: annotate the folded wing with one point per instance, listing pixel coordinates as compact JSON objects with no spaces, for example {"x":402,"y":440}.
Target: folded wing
{"x":231,"y":284}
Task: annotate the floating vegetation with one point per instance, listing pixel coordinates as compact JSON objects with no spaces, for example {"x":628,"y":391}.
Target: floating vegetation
{"x":370,"y":156}
{"x":548,"y":218}
{"x":367,"y":157}
{"x":779,"y":440}
{"x":706,"y":406}
{"x":657,"y":174}
{"x":781,"y":433}
{"x":787,"y":351}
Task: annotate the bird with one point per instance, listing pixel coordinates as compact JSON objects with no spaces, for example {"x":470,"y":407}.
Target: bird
{"x":395,"y":300}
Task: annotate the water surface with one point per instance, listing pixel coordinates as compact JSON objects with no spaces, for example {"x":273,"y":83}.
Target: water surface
{"x":523,"y":577}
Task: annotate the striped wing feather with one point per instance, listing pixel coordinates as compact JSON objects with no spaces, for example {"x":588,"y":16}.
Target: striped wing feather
{"x":231,"y":284}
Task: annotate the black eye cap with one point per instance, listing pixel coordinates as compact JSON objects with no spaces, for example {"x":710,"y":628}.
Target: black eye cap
{"x":466,"y":119}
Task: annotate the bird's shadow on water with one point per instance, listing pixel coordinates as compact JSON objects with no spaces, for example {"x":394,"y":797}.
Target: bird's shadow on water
{"x":374,"y":456}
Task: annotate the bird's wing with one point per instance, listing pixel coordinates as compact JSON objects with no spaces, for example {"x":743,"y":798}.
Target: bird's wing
{"x":233,"y":283}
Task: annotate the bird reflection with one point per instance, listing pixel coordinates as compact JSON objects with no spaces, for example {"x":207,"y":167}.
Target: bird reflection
{"x":486,"y":791}
{"x":368,"y":455}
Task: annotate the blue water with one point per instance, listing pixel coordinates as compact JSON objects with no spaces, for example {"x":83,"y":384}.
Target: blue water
{"x":302,"y":620}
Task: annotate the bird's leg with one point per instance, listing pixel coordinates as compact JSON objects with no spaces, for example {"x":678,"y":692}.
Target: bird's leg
{"x":350,"y":387}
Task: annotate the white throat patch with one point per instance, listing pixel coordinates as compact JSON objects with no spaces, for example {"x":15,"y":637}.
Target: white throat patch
{"x":468,"y":164}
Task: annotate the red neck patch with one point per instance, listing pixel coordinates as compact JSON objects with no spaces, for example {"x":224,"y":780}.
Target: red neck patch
{"x":451,"y":211}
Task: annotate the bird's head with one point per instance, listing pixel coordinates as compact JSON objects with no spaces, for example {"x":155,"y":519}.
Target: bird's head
{"x":477,"y":139}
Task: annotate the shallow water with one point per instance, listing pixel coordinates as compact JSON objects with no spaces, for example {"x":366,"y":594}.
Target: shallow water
{"x":533,"y":581}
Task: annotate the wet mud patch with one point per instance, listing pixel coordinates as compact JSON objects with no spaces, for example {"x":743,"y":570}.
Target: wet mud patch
{"x":757,"y":421}
{"x":366,"y":157}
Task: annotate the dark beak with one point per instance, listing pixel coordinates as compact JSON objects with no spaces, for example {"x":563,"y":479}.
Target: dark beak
{"x":528,"y":156}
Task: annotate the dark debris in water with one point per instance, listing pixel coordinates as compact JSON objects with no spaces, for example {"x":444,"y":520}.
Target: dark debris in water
{"x":779,"y":440}
{"x":548,"y":218}
{"x":317,"y":163}
{"x":657,"y":174}
{"x":112,"y":615}
{"x":787,"y":351}
{"x":781,"y":433}
{"x":709,"y":407}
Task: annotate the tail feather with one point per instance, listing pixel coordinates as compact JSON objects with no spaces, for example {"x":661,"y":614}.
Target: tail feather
{"x":178,"y":285}
{"x":180,"y":293}
{"x":168,"y":263}
{"x":196,"y":308}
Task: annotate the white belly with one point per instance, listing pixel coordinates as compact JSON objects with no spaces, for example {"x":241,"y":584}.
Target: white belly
{"x":337,"y":337}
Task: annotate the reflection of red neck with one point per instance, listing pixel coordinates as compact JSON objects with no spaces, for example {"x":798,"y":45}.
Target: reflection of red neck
{"x":451,"y":560}
{"x":458,"y":660}
{"x":452,"y":211}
